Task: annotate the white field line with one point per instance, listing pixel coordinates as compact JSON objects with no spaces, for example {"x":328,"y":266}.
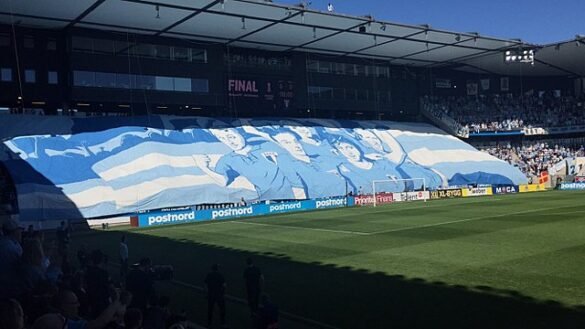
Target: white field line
{"x":387,"y":207}
{"x":302,"y":228}
{"x":238,"y":300}
{"x":471,"y":219}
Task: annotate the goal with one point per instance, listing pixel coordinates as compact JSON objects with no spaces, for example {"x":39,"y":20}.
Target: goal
{"x":410,"y":189}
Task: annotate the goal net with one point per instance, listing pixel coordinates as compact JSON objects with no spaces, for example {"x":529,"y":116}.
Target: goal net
{"x":397,"y":190}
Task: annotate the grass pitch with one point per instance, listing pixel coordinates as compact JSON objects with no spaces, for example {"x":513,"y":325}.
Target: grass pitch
{"x":505,"y":261}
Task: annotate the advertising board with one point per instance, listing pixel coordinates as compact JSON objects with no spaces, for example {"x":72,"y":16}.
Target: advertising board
{"x":189,"y":215}
{"x":506,"y":189}
{"x":531,"y":188}
{"x":366,"y":200}
{"x":572,"y":186}
{"x":447,"y":193}
{"x":476,"y":191}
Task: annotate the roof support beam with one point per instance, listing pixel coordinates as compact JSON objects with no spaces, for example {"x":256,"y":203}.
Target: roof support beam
{"x":355,"y":52}
{"x":241,"y":37}
{"x":265,"y":19}
{"x":186,"y":18}
{"x":84,"y":13}
{"x":325,"y":37}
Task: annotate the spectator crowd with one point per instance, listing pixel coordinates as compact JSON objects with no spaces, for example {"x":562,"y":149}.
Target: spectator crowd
{"x":507,"y":112}
{"x":42,"y":287}
{"x":536,"y":157}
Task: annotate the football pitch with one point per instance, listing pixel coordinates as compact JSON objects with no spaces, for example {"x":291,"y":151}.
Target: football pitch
{"x":504,"y":261}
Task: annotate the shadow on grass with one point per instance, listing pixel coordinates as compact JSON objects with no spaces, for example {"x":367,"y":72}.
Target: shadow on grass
{"x":341,"y":296}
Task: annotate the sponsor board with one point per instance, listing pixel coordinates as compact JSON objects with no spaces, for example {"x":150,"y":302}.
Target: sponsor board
{"x":381,"y":198}
{"x":330,"y":203}
{"x":417,"y":196}
{"x":531,"y":188}
{"x":476,"y":191}
{"x":580,"y":179}
{"x":572,"y":186}
{"x":164,"y":218}
{"x":186,"y":216}
{"x":448,"y":193}
{"x":505,"y":189}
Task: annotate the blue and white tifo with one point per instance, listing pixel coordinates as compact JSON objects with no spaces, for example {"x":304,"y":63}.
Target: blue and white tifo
{"x":178,"y":161}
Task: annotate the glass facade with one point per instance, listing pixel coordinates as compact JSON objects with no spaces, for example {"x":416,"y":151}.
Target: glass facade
{"x":5,"y":74}
{"x":326,"y":67}
{"x":138,"y":49}
{"x":52,"y":77}
{"x":30,"y":76}
{"x":137,"y":81}
{"x":350,"y":94}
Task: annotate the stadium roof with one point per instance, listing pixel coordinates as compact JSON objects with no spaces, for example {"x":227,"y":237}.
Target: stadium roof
{"x":269,"y":26}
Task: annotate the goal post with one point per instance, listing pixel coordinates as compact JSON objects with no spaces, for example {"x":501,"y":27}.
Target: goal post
{"x":388,"y":186}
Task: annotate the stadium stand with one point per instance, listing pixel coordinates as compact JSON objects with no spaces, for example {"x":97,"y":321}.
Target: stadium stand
{"x":535,"y":157}
{"x":505,"y":112}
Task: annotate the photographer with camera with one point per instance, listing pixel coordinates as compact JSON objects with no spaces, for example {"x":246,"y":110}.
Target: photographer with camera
{"x":140,"y":283}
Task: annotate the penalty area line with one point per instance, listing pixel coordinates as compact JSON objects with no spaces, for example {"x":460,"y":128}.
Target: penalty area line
{"x":465,"y":220}
{"x":301,"y":228}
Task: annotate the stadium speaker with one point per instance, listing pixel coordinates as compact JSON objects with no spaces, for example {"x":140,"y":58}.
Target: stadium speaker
{"x":362,"y":29}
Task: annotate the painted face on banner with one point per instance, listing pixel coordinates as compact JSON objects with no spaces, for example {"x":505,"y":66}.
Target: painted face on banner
{"x":370,"y":139}
{"x":289,"y":143}
{"x":349,"y":151}
{"x":230,"y":137}
{"x":304,"y":132}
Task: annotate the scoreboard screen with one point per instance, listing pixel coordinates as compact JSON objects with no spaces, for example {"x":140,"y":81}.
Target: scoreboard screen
{"x":261,"y":93}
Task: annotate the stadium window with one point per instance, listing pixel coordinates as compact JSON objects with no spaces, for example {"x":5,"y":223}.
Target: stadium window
{"x":338,"y":93}
{"x":351,"y":94}
{"x":5,"y":74}
{"x":350,"y":69}
{"x":147,"y":82}
{"x":339,"y":68}
{"x":51,"y":44}
{"x":360,"y":70}
{"x":383,"y":72}
{"x":81,"y":44}
{"x":4,"y":39}
{"x":144,"y":50}
{"x":30,"y":76}
{"x":162,"y":51}
{"x":182,"y":84}
{"x":28,"y":42}
{"x":83,"y":78}
{"x":182,"y":54}
{"x":123,"y":81}
{"x":52,"y":77}
{"x":362,"y":95}
{"x":200,"y":85}
{"x":122,"y":47}
{"x":313,"y":91}
{"x":105,"y":80}
{"x":103,"y":46}
{"x":313,"y":66}
{"x":164,"y":83}
{"x":326,"y":93}
{"x":199,"y":55}
{"x":325,"y":67}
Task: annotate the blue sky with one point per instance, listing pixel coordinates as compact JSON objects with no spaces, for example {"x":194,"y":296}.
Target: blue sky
{"x":537,"y":21}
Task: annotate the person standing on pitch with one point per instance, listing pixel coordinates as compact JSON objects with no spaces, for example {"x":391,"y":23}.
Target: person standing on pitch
{"x":215,"y":284}
{"x":123,"y":258}
{"x":254,"y":280}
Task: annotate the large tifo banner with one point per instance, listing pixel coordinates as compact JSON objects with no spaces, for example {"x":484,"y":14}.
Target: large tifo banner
{"x":190,"y":215}
{"x":172,"y":162}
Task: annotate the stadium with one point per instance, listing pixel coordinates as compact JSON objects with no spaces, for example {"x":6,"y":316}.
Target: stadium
{"x":284,"y":167}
